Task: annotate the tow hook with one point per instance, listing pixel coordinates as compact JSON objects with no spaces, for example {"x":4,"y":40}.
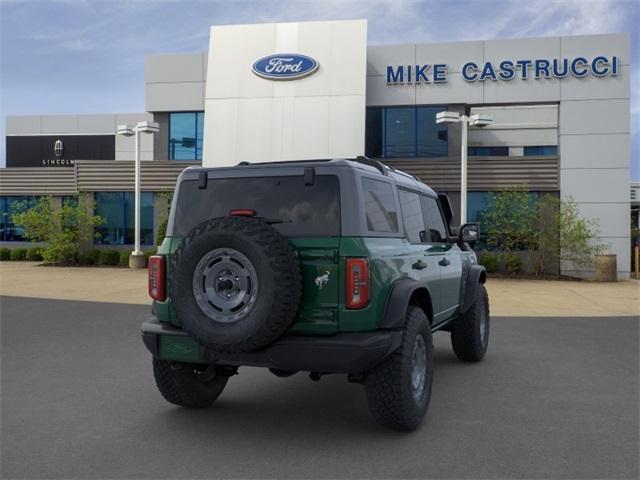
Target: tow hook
{"x":207,"y":374}
{"x":355,"y":378}
{"x":315,"y":376}
{"x":212,"y":371}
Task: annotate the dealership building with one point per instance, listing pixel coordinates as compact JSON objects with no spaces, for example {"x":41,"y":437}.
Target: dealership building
{"x":316,"y":90}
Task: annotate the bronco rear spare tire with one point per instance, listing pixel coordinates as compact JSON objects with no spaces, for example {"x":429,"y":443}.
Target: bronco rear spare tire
{"x":235,"y":284}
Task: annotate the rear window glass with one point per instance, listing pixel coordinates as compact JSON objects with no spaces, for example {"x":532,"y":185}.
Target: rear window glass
{"x":380,"y":207}
{"x":306,"y":210}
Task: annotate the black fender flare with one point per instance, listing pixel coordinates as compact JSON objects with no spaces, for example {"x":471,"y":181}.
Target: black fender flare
{"x":402,"y":290}
{"x":475,"y":275}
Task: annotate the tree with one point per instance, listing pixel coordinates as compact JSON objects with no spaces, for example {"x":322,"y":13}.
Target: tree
{"x":546,"y":244}
{"x":550,"y":228}
{"x":62,"y":227}
{"x":562,"y":236}
{"x":579,"y":242}
{"x":508,"y":221}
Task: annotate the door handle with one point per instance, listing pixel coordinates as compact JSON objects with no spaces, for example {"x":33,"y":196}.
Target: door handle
{"x":444,"y":262}
{"x":419,"y":265}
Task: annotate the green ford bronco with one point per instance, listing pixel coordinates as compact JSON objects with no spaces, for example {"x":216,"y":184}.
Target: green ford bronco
{"x":336,"y":266}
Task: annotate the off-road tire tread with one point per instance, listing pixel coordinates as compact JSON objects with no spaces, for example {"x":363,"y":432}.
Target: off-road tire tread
{"x":390,"y":402}
{"x":465,"y":337}
{"x":283,"y":262}
{"x":180,"y":386}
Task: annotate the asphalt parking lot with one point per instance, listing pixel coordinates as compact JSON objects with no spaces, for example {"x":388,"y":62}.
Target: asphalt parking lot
{"x":555,"y":398}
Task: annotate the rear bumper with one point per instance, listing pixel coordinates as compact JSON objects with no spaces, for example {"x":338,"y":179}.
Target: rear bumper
{"x":338,"y":353}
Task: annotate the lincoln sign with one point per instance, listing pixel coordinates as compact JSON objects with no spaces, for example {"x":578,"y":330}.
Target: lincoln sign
{"x":506,"y":70}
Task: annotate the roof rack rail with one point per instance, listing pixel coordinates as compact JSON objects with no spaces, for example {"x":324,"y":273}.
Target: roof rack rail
{"x":402,"y":172}
{"x":372,"y":163}
{"x":281,"y":162}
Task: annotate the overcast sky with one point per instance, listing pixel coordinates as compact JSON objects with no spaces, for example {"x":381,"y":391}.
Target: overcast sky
{"x":87,"y":56}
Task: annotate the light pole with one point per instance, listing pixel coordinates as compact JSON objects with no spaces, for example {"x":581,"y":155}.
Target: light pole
{"x":137,"y":259}
{"x":478,"y":120}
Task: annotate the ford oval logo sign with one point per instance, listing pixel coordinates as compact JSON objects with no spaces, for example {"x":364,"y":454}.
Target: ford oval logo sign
{"x":285,"y":66}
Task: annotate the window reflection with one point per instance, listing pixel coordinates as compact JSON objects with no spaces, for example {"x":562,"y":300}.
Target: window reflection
{"x":117,"y":211}
{"x":185,"y":135}
{"x":401,"y":132}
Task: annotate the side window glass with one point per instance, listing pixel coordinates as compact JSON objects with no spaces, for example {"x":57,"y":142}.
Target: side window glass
{"x":433,"y":220}
{"x":380,"y":208}
{"x":412,"y":217}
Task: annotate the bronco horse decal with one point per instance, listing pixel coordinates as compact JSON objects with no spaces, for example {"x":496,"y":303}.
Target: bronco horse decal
{"x":322,"y":280}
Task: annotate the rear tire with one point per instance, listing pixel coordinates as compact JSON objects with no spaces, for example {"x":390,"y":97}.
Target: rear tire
{"x":470,"y":332}
{"x":180,"y":383}
{"x":399,"y":388}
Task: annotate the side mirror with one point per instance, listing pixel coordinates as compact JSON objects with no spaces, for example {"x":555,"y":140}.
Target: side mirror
{"x":468,"y":233}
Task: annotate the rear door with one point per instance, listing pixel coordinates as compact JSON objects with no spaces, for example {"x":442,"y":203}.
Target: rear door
{"x":424,"y":266}
{"x":445,"y":255}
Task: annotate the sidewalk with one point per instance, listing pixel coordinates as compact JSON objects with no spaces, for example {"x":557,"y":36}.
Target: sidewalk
{"x":513,"y":298}
{"x":555,"y":298}
{"x":93,"y":284}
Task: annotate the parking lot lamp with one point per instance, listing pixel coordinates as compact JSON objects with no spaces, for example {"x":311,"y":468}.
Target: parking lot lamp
{"x":478,"y":120}
{"x":137,"y":259}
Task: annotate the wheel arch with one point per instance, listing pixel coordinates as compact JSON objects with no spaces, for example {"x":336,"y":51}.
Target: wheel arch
{"x":404,"y":293}
{"x":476,"y":275}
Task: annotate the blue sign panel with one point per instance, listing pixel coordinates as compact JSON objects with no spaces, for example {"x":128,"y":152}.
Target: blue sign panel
{"x":285,"y":66}
{"x":578,"y":67}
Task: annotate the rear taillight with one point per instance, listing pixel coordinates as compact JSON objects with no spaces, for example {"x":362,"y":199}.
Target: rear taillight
{"x":156,"y":277}
{"x":357,"y":294}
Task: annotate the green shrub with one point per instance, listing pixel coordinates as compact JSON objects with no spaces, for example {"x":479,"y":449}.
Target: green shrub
{"x":149,"y":253}
{"x":124,"y":258}
{"x":109,"y":257}
{"x":89,"y":257}
{"x":5,"y":254}
{"x":513,"y":263}
{"x":18,"y":253}
{"x":491,"y":261}
{"x":61,"y":228}
{"x":34,"y":254}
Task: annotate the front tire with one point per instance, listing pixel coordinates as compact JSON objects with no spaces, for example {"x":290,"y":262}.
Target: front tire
{"x":186,"y":384}
{"x":399,"y":389}
{"x":470,"y":332}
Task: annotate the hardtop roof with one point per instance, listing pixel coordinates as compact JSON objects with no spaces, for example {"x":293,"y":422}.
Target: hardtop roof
{"x":372,"y":167}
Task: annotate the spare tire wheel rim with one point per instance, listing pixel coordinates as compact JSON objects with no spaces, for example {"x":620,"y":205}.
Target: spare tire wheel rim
{"x":225,"y":285}
{"x":419,"y":367}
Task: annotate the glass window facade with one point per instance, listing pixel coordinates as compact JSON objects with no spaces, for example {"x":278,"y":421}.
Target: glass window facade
{"x":118,"y":214}
{"x":10,"y":205}
{"x":405,"y":132}
{"x":541,"y":151}
{"x":488,"y":151}
{"x":185,"y":135}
